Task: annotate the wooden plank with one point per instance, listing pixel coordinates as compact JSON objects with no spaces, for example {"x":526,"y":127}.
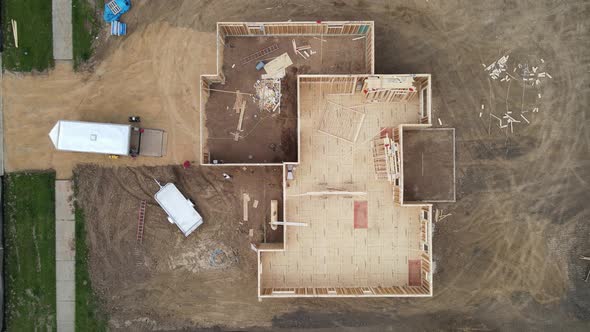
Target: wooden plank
{"x":246,"y":200}
{"x":242,"y":110}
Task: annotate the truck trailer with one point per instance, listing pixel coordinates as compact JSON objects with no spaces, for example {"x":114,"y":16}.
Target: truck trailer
{"x":108,"y":138}
{"x":180,"y":210}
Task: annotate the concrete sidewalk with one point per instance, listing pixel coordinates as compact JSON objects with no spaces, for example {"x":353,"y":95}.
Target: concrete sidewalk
{"x":65,"y":255}
{"x":62,"y":29}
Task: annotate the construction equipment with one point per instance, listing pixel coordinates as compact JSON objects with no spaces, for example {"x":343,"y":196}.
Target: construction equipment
{"x":180,"y":210}
{"x":108,"y":138}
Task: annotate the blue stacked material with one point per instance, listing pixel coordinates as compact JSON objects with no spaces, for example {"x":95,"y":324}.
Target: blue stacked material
{"x":259,"y":65}
{"x":118,"y":28}
{"x":115,"y":8}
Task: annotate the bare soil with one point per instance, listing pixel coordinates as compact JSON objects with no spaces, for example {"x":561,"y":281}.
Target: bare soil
{"x":158,"y":84}
{"x":507,"y":257}
{"x":162,"y":276}
{"x":429,"y":165}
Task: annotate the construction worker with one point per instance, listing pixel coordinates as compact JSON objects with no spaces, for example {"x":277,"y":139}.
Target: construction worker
{"x":226,"y":176}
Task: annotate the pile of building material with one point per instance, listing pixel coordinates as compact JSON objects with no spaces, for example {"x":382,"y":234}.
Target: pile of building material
{"x":277,"y":68}
{"x":268,"y":94}
{"x":532,"y":74}
{"x":118,"y":28}
{"x":497,"y":67}
{"x":304,"y":51}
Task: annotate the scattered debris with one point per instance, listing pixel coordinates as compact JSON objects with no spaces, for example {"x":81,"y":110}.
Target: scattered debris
{"x":531,"y":74}
{"x":439,"y":216}
{"x":238,"y":102}
{"x":320,"y":39}
{"x":498,"y":67}
{"x":241,"y":119}
{"x":236,"y":136}
{"x":14,"y":32}
{"x":302,"y":50}
{"x":268,"y":94}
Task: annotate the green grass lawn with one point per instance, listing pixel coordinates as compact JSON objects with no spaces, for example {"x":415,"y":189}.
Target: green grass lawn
{"x":35,"y":38}
{"x":89,"y":317}
{"x":29,"y":251}
{"x":85,"y":27}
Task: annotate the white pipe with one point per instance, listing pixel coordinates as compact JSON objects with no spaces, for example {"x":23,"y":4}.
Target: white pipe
{"x":322,"y":193}
{"x":288,"y":223}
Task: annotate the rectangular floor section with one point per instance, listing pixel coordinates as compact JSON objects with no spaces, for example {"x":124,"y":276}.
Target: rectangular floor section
{"x":414,"y":266}
{"x":360,"y":214}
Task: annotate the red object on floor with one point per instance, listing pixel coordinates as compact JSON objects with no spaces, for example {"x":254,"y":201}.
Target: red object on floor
{"x":360,"y":214}
{"x":386,"y":131}
{"x":186,"y":164}
{"x":414,"y":267}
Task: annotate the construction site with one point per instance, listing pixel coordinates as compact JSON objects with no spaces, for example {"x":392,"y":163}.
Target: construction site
{"x":353,"y":223}
{"x":267,"y":168}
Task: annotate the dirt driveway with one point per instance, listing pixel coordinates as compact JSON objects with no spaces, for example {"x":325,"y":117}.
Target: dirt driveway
{"x":136,"y":78}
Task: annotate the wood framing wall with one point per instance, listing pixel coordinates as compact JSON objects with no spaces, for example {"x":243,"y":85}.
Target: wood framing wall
{"x":227,"y":29}
{"x":346,"y":291}
{"x":423,"y":83}
{"x":426,"y":238}
{"x":319,"y":28}
{"x":370,"y":50}
{"x":332,"y":84}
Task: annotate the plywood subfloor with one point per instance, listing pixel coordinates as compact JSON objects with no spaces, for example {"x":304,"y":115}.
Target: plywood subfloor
{"x":330,"y":252}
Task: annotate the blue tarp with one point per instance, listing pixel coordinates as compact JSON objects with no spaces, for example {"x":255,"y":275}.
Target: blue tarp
{"x":122,"y":6}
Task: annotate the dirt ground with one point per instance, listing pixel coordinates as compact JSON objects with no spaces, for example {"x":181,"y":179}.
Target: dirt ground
{"x":507,"y":257}
{"x":270,"y":137}
{"x":429,"y":165}
{"x":158,"y":84}
{"x":161,"y":277}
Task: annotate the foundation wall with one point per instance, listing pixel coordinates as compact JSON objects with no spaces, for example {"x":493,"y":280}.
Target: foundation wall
{"x":396,"y":291}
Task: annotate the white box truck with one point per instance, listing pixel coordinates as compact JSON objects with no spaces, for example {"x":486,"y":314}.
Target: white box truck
{"x":108,"y":138}
{"x":180,"y":210}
